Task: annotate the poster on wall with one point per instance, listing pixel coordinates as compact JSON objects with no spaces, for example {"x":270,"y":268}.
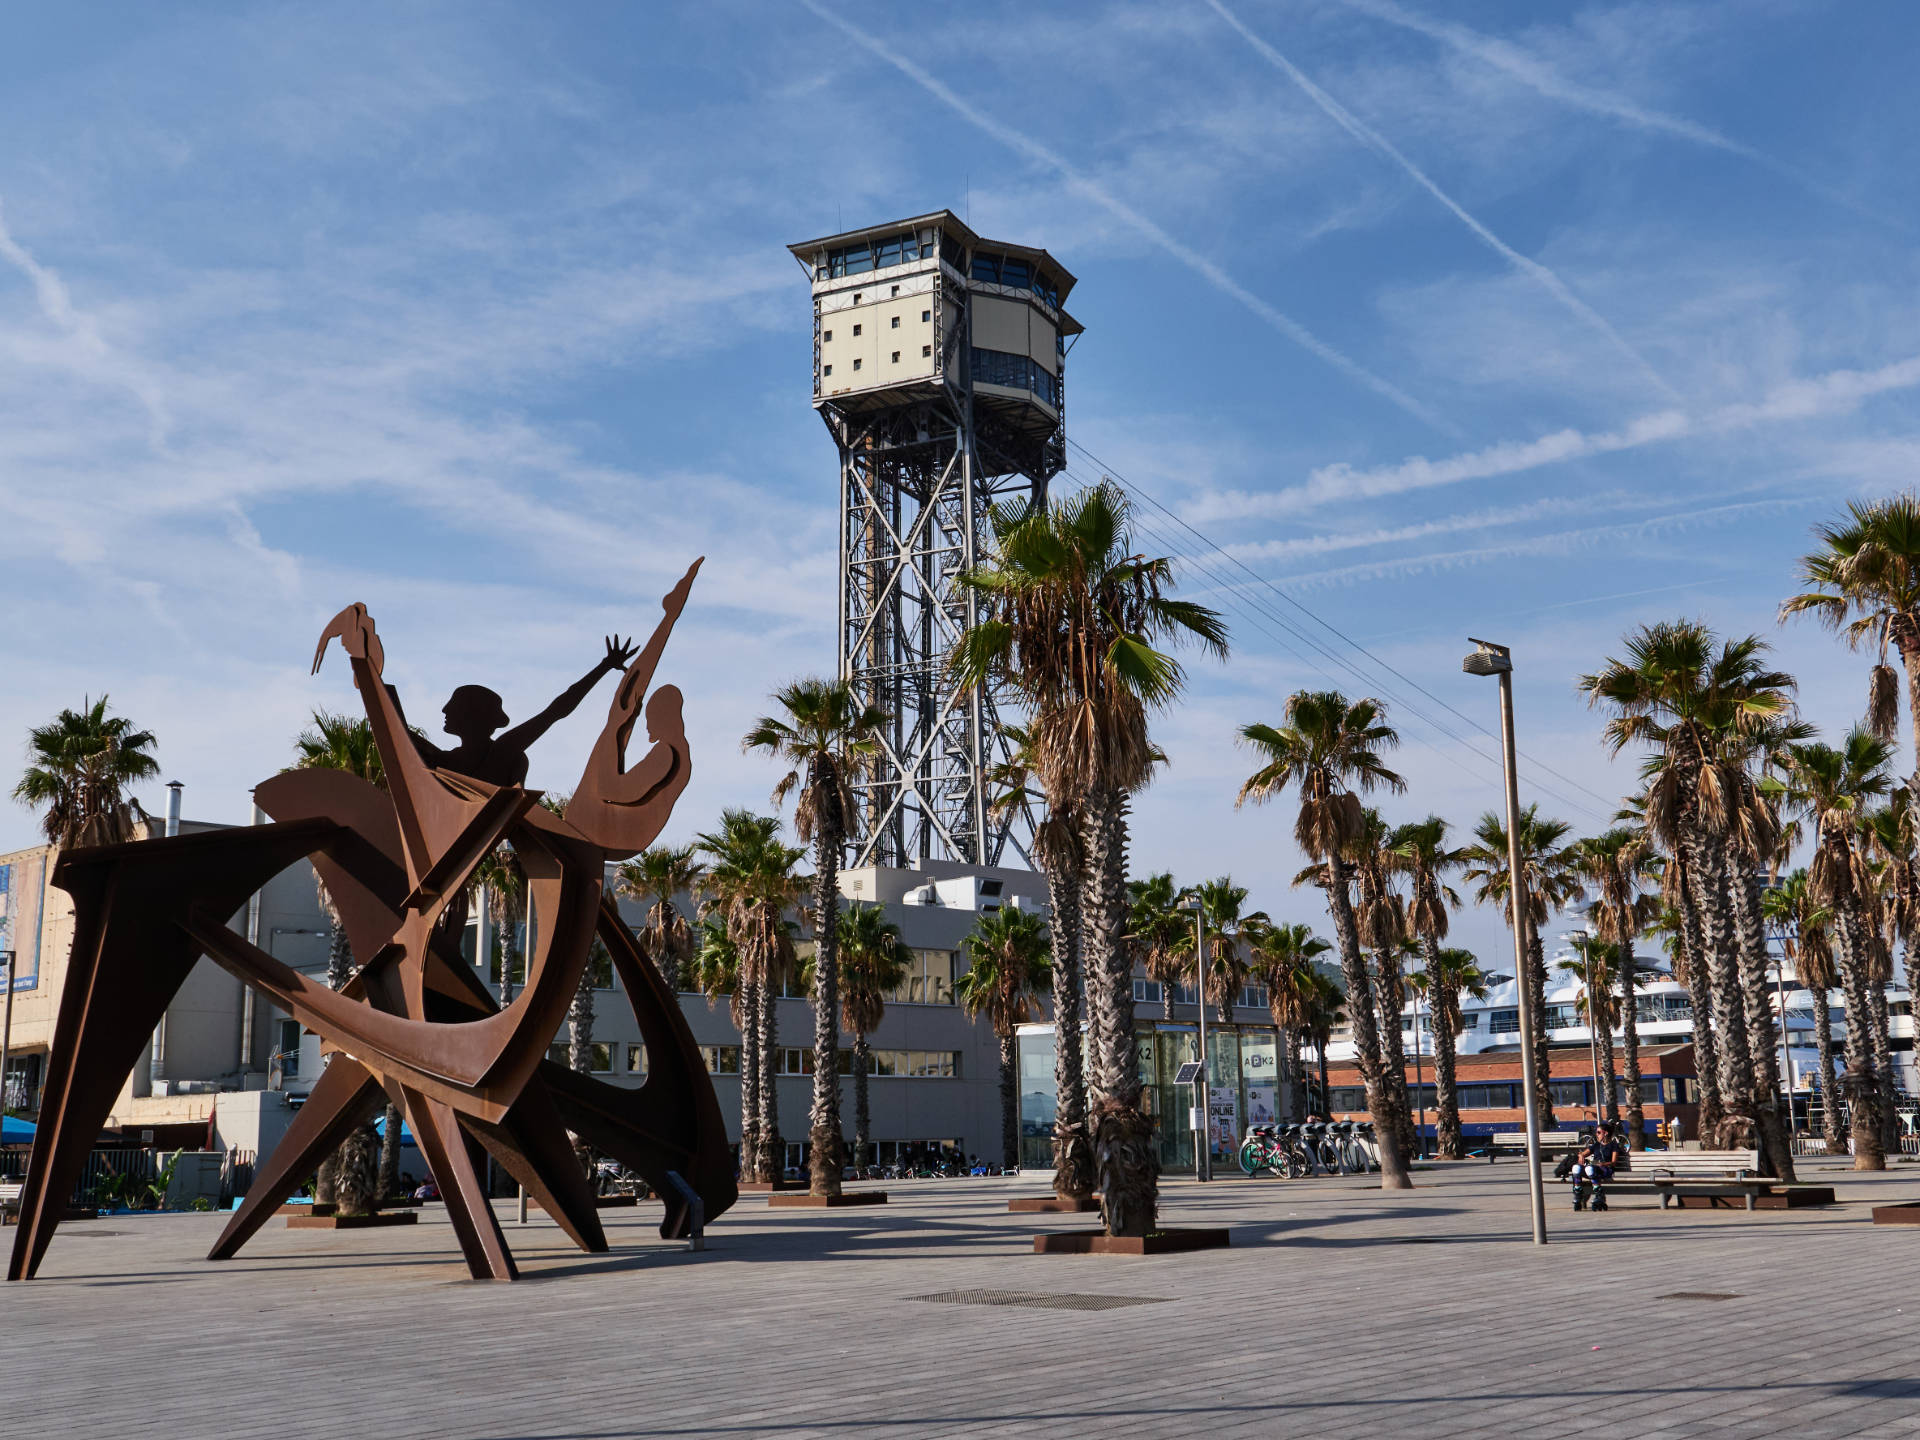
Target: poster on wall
{"x":1263,"y":1103}
{"x":20,"y":920}
{"x":1223,"y":1118}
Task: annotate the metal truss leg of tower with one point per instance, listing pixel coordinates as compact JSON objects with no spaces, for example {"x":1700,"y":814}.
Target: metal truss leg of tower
{"x":913,"y":514}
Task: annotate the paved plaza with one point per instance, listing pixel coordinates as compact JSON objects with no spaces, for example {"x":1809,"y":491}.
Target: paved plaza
{"x":1338,"y":1312}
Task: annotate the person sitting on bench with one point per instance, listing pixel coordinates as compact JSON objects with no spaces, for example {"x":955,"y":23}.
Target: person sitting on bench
{"x":1594,"y":1166}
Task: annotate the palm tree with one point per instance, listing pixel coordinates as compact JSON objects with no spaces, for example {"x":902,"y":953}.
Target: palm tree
{"x":1837,"y":785}
{"x":1620,"y":866}
{"x":1328,"y":750}
{"x":1806,"y":943}
{"x":1889,"y":833}
{"x":1057,"y":851}
{"x":1282,"y":960}
{"x":1419,"y":851}
{"x":1547,"y":884}
{"x":1073,"y":618}
{"x":1699,"y":707}
{"x":1449,"y":974}
{"x":346,"y":743}
{"x":1156,"y":930}
{"x":79,"y":766}
{"x":826,"y":734}
{"x":1866,"y":585}
{"x":752,"y":885}
{"x":1326,"y":1012}
{"x":1593,"y":970}
{"x":874,"y":960}
{"x":1008,"y":964}
{"x":657,"y":875}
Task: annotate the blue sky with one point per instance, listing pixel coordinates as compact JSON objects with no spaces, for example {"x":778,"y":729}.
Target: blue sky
{"x":1494,"y":319}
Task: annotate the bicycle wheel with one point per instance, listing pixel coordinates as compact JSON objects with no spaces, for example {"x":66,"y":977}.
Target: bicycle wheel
{"x":1298,"y":1166}
{"x":1251,"y":1160}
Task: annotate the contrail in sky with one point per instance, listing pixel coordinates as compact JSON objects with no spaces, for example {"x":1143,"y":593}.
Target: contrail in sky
{"x":1099,"y":195}
{"x":1366,"y":135}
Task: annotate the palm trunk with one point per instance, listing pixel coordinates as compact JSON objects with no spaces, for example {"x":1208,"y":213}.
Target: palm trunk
{"x":1862,"y":1088}
{"x":389,"y":1185}
{"x":1630,"y":1033}
{"x":1388,"y":993}
{"x":1883,"y":1071}
{"x":1126,"y":1161}
{"x":773,"y":1150}
{"x":1608,"y":1100}
{"x":1721,"y":946}
{"x":1297,"y":1069}
{"x":1450,"y":1142}
{"x":823,"y":1125}
{"x":1706,"y":1050}
{"x":1776,"y":1146}
{"x":1830,"y":1130}
{"x":1072,"y":1149}
{"x":1366,"y":1039}
{"x":751,"y":1052}
{"x":327,"y":1180}
{"x":862,"y":1117}
{"x":1542,"y":1057}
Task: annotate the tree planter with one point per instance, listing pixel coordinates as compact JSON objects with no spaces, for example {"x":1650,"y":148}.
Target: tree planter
{"x":1907,"y":1213}
{"x":600,"y":1202}
{"x":1160,"y":1242}
{"x":1053,"y":1205}
{"x":322,"y":1207}
{"x":828,"y":1202}
{"x":353,"y":1222}
{"x":763,"y":1187}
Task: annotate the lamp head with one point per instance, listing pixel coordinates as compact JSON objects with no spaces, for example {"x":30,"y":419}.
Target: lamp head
{"x":1489,"y":659}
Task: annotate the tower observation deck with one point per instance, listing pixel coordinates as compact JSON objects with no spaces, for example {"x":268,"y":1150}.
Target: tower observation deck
{"x":939,"y":367}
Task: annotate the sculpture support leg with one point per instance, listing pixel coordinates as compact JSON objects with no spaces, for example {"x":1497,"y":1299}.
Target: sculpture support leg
{"x":469,"y":1208}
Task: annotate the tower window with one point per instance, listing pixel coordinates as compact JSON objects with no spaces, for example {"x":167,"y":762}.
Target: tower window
{"x":856,"y":329}
{"x":894,"y":291}
{"x":826,"y":369}
{"x":925,"y":351}
{"x":826,"y":335}
{"x":925,"y":316}
{"x":856,"y":297}
{"x":896,"y":322}
{"x":896,"y":357}
{"x":856,"y":364}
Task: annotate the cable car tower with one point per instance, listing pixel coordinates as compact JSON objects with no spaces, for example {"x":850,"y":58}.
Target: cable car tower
{"x":939,"y":363}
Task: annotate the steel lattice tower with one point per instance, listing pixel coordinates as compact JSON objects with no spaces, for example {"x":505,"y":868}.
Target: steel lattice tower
{"x":939,"y":369}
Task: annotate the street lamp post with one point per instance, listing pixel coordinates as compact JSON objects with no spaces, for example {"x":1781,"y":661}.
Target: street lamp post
{"x":1203,"y":1133}
{"x":6,"y":1031}
{"x":1491,"y":659}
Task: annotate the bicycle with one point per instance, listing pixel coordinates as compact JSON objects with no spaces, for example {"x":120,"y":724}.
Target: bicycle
{"x":1266,"y":1148}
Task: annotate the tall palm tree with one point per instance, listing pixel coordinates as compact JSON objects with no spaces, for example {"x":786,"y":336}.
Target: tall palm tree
{"x":1156,"y":931}
{"x":751,"y":884}
{"x":656,"y":875}
{"x":1326,"y":1012}
{"x":1865,"y":580}
{"x":826,"y":733}
{"x":1282,"y":960}
{"x":1328,"y":749}
{"x":1837,"y":785}
{"x":1806,"y":943}
{"x":1547,"y":884}
{"x":346,"y":743}
{"x":1621,"y":866}
{"x":1007,"y":954}
{"x":1419,"y":852}
{"x":1889,"y":834}
{"x":79,"y":765}
{"x":1697,"y":705}
{"x":1057,"y":851}
{"x":874,"y":960}
{"x":1593,"y":970}
{"x":1075,"y":618}
{"x":1449,"y":974}
{"x":1382,"y":918}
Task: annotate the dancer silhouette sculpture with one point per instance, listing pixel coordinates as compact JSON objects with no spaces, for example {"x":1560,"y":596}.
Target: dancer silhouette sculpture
{"x":414,"y":1024}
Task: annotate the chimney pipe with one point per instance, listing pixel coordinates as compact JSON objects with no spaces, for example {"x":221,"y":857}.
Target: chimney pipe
{"x":173,"y":808}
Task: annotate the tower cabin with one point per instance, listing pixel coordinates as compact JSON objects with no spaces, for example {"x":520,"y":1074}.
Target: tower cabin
{"x":906,"y":309}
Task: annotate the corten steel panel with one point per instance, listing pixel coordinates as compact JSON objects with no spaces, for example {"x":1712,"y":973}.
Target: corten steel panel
{"x":414,"y":1024}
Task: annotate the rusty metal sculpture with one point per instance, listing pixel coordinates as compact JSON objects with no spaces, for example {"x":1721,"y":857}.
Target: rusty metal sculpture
{"x":414,"y":1024}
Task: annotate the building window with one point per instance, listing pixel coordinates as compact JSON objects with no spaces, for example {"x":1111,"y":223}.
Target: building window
{"x":636,"y":1059}
{"x":721,"y":1059}
{"x":1185,"y":994}
{"x":1503,"y":1022}
{"x":856,"y":364}
{"x":1253,"y":997}
{"x":929,"y":981}
{"x":1017,"y":372}
{"x":289,"y":1052}
{"x":856,"y":300}
{"x":826,"y":335}
{"x":1146,"y":992}
{"x":826,"y":369}
{"x":926,"y":316}
{"x":894,"y":291}
{"x":896,"y":357}
{"x":896,"y":322}
{"x":856,"y":330}
{"x":926,"y":351}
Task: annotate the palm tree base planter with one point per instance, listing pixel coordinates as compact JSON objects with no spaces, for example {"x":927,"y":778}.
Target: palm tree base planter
{"x":327,"y":1207}
{"x":1780,"y":1197}
{"x":1905,"y":1213}
{"x":1053,"y":1205}
{"x":828,"y":1202}
{"x":353,"y":1222}
{"x":600,"y":1202}
{"x":1160,"y":1242}
{"x":762,"y":1187}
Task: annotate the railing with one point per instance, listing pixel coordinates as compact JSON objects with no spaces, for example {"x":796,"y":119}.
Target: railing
{"x":1817,"y":1145}
{"x":236,"y":1170}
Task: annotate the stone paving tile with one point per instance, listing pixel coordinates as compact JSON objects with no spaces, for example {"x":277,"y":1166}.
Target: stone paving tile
{"x":1339,"y":1311}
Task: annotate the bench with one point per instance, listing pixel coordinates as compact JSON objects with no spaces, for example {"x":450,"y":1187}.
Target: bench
{"x":1514,"y":1142}
{"x":10,"y":1200}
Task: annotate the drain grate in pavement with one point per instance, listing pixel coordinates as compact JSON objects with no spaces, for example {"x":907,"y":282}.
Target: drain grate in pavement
{"x":1698,"y":1295}
{"x":1037,"y":1300}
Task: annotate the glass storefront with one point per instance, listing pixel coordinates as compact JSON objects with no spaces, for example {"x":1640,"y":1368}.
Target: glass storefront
{"x":1243,"y":1088}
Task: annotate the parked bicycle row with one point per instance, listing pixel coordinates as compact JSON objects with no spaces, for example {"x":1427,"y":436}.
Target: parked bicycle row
{"x":1293,"y":1152}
